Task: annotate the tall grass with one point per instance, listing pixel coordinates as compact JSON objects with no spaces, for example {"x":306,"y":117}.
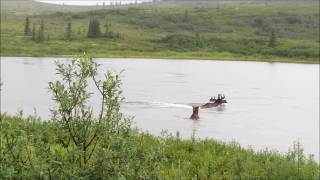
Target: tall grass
{"x":32,"y":148}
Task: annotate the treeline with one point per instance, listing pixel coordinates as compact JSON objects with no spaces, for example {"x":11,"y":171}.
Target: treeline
{"x":208,"y":20}
{"x":94,"y":31}
{"x":37,"y":34}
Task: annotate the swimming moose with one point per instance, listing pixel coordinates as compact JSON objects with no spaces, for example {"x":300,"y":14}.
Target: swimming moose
{"x":213,"y":102}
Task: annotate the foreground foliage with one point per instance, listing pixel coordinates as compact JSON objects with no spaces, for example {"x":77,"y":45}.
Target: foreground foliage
{"x":31,"y":148}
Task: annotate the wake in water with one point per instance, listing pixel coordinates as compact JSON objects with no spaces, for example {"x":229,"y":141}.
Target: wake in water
{"x":213,"y":102}
{"x":159,"y":104}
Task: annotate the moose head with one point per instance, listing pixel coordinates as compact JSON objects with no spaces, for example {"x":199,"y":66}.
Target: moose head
{"x":195,"y":113}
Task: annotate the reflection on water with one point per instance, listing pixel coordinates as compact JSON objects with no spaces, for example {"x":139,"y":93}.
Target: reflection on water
{"x":269,"y":106}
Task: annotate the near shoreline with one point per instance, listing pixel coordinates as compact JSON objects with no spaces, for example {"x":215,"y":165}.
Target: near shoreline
{"x":140,"y":155}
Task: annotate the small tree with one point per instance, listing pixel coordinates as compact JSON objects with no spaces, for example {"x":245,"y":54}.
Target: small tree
{"x":272,"y":40}
{"x":68,"y":31}
{"x":107,"y":27}
{"x":27,"y":26}
{"x":94,"y":28}
{"x":33,"y":35}
{"x":186,"y":16}
{"x":41,"y":32}
{"x":109,"y":33}
{"x":75,"y":114}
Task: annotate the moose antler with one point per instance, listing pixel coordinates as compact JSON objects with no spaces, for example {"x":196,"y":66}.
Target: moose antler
{"x":219,"y":96}
{"x":223,"y":97}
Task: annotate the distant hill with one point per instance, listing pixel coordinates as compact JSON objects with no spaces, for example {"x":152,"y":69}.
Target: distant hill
{"x":23,"y":7}
{"x":190,"y":3}
{"x":289,"y":1}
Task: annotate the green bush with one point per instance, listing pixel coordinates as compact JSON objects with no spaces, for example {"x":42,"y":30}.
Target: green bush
{"x":183,"y":42}
{"x":32,"y":148}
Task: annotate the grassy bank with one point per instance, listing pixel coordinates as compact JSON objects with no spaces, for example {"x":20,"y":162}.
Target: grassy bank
{"x":221,"y":32}
{"x":32,"y":148}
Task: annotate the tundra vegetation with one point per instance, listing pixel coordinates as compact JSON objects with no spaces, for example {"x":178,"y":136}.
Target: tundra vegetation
{"x":79,"y":142}
{"x":267,"y":32}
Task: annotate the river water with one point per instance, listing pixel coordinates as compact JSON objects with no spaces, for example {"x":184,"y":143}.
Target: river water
{"x":270,"y":105}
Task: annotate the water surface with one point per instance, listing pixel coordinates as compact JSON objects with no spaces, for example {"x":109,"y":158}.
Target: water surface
{"x":271,"y":105}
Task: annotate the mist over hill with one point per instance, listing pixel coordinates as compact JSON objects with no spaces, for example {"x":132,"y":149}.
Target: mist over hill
{"x":18,"y":7}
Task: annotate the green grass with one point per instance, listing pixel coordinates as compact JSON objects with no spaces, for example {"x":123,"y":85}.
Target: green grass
{"x":31,"y":148}
{"x":229,"y":32}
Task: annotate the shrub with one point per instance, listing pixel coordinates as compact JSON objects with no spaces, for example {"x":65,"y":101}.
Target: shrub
{"x":75,"y":114}
{"x":183,"y":42}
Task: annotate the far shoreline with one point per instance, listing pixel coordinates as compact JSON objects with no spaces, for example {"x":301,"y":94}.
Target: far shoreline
{"x":182,"y":58}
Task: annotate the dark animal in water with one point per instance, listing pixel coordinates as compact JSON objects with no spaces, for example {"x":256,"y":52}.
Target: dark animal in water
{"x":195,"y":112}
{"x":213,"y":103}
